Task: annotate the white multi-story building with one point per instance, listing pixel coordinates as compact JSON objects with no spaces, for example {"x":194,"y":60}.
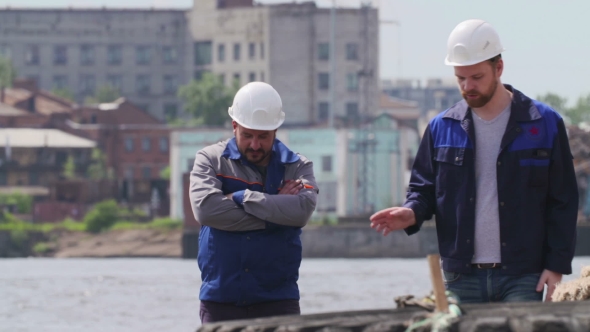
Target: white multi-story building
{"x":147,"y":54}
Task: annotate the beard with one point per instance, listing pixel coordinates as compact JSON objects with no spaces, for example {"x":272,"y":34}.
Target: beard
{"x":482,"y":97}
{"x":255,"y":156}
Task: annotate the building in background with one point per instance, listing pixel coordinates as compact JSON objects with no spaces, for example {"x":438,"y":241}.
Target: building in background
{"x":288,"y":45}
{"x":433,"y":97}
{"x":140,"y":52}
{"x":147,"y":54}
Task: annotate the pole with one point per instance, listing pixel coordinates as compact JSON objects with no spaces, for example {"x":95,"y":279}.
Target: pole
{"x":332,"y":83}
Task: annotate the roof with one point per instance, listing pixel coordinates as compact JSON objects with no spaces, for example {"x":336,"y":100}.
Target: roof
{"x":34,"y":138}
{"x":26,"y":190}
{"x":389,"y":102}
{"x":7,"y":110}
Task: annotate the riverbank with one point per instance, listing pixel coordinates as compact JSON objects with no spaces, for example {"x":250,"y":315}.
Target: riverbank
{"x":112,"y":243}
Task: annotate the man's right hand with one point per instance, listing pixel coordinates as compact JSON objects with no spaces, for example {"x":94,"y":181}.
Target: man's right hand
{"x":392,"y":219}
{"x":291,"y":187}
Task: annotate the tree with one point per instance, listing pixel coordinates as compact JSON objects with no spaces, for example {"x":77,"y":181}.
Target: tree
{"x":7,"y":73}
{"x":208,"y":99}
{"x":98,"y":169}
{"x":165,"y":173}
{"x":555,"y":101}
{"x":581,"y":111}
{"x":63,"y":93}
{"x":69,"y":171}
{"x":104,"y":94}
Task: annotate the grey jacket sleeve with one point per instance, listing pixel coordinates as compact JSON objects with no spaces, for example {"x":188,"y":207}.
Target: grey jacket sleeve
{"x":286,"y":210}
{"x":210,"y":206}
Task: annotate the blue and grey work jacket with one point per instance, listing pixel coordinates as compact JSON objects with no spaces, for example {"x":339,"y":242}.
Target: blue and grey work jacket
{"x":249,"y":246}
{"x":537,"y":190}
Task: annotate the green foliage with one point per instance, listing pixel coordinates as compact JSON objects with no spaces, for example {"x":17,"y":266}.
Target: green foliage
{"x":98,"y":169}
{"x":24,"y":203}
{"x":43,"y":247}
{"x":208,"y":99}
{"x":102,"y":216}
{"x":7,"y":73}
{"x":19,"y":237}
{"x":165,"y":173}
{"x":104,"y":94}
{"x":69,"y":168}
{"x":64,"y":93}
{"x":580,"y":112}
{"x":160,"y":223}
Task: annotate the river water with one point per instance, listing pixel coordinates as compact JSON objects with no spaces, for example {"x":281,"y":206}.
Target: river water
{"x":93,"y":295}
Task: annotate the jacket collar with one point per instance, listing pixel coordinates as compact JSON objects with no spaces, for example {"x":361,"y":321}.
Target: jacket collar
{"x":522,"y":108}
{"x":279,"y":149}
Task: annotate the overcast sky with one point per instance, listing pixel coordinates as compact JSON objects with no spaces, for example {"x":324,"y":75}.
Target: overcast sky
{"x":547,"y":42}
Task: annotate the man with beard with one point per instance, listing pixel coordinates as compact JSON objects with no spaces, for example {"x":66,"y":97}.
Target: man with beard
{"x":497,"y":172}
{"x":251,"y":195}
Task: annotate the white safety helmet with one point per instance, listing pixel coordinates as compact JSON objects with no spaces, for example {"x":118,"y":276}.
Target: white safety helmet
{"x":471,"y":42}
{"x":258,"y":106}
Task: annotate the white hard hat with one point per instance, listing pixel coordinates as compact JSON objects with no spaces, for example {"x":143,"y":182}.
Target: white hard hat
{"x":471,"y":42}
{"x":258,"y":106}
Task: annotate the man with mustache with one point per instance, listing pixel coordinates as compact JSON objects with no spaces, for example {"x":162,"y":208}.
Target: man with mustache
{"x":497,"y":172}
{"x":251,"y":195}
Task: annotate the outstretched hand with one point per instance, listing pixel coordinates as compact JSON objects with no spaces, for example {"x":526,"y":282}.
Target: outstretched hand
{"x":392,"y":219}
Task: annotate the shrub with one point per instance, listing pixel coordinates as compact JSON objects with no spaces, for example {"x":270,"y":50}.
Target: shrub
{"x":102,"y":216}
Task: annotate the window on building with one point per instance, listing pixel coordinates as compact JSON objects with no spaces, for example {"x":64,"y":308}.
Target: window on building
{"x":60,"y":55}
{"x":220,"y":52}
{"x":170,"y":84}
{"x":237,"y":52}
{"x":252,"y":77}
{"x":262,"y":50}
{"x":93,"y":119}
{"x":170,"y":111}
{"x":237,"y":78}
{"x":146,"y":172}
{"x":324,"y":81}
{"x":169,"y":55}
{"x":326,"y":163}
{"x":163,"y":144}
{"x":323,"y":110}
{"x":352,"y":81}
{"x":199,"y":74}
{"x":115,"y":81}
{"x":33,"y":178}
{"x":146,"y":144}
{"x":5,"y":51}
{"x":251,"y":51}
{"x":324,"y":51}
{"x":60,"y":82}
{"x":3,"y":178}
{"x":87,"y":84}
{"x":352,"y":51}
{"x":352,"y":111}
{"x":114,"y":55}
{"x":143,"y":84}
{"x":327,"y":196}
{"x":32,"y":55}
{"x":129,"y":144}
{"x":203,"y":53}
{"x":129,"y":172}
{"x":87,"y":55}
{"x":143,"y":55}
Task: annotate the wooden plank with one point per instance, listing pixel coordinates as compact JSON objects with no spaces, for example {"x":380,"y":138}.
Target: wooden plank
{"x":442,"y":305}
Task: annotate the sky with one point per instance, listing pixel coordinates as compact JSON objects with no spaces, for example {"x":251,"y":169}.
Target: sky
{"x":547,"y":42}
